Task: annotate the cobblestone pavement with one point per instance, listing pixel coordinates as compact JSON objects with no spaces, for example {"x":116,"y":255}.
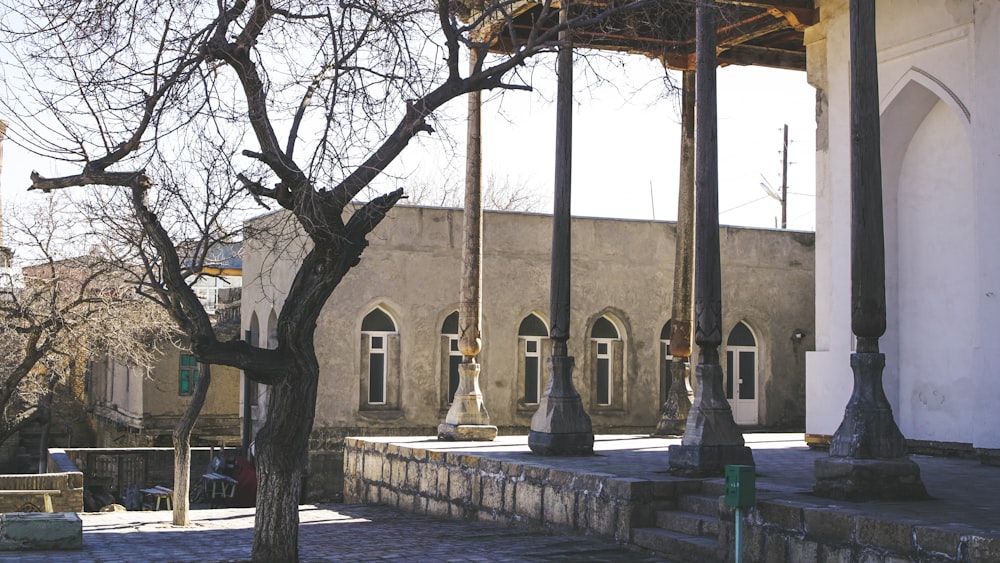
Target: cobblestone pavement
{"x":963,"y":494}
{"x":331,"y":532}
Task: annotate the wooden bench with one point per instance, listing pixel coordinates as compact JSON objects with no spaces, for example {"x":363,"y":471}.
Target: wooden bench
{"x":46,"y":495}
{"x":223,"y":486}
{"x":160,"y":494}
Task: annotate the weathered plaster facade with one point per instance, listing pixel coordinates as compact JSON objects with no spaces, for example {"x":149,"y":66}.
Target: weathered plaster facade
{"x":139,"y":407}
{"x":938,"y":80}
{"x":622,"y":270}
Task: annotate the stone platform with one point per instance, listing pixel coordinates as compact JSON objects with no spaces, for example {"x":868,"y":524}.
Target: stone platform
{"x":624,"y":492}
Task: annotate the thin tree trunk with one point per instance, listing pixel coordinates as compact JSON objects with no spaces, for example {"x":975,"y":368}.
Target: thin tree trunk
{"x":282,"y":446}
{"x":182,"y":447}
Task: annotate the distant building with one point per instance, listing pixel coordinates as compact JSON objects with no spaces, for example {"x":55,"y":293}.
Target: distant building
{"x":387,"y":339}
{"x":140,"y":407}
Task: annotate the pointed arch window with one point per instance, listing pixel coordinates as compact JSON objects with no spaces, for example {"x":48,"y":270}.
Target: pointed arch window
{"x":532,"y":347}
{"x":379,"y":361}
{"x":607,"y":358}
{"x":665,"y":359}
{"x":253,"y":338}
{"x":451,"y":357}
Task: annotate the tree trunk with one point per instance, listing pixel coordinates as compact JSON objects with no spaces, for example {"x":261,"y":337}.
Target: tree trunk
{"x":282,"y":447}
{"x":182,"y":447}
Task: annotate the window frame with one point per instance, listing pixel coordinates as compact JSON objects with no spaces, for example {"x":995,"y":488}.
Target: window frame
{"x":389,"y":357}
{"x":529,"y":332}
{"x":191,"y":377}
{"x":614,"y":355}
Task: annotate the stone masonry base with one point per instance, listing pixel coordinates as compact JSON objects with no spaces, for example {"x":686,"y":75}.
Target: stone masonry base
{"x":777,"y":529}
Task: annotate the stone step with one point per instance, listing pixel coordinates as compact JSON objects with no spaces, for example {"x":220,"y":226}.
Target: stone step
{"x":676,"y":546}
{"x":705,"y":505}
{"x":714,"y":487}
{"x":687,"y":523}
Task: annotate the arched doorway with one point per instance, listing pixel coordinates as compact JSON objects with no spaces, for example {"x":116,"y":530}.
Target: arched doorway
{"x":741,"y":374}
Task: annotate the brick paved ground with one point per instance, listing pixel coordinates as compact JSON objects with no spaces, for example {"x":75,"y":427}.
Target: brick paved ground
{"x":327,"y":533}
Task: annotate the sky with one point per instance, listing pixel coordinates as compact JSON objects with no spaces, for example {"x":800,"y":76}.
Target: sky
{"x":626,"y":143}
{"x":626,"y":135}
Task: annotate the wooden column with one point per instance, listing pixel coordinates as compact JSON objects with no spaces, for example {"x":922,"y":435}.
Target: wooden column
{"x":868,"y":458}
{"x":5,"y":252}
{"x":674,"y":412}
{"x":561,"y":426}
{"x":467,"y":419}
{"x":711,"y":438}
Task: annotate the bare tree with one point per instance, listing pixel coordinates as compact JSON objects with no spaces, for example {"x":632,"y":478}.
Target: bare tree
{"x":67,"y":307}
{"x":331,"y":95}
{"x":500,"y":193}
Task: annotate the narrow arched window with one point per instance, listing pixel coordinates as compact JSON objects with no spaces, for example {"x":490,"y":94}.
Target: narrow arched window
{"x":665,"y":359}
{"x":532,"y":335}
{"x":253,"y":338}
{"x":450,"y":354}
{"x":607,"y":359}
{"x":380,"y":344}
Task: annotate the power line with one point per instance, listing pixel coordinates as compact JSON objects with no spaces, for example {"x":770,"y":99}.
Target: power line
{"x":744,"y":204}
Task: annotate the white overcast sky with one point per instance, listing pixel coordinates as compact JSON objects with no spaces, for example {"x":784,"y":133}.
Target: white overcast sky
{"x":626,"y":144}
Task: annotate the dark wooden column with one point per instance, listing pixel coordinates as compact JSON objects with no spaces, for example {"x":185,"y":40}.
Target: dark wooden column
{"x":674,"y":412}
{"x":711,"y":439}
{"x":467,"y":419}
{"x":868,"y":457}
{"x":561,"y":426}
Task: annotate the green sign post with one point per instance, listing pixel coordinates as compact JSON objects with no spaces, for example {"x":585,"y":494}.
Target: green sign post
{"x":741,"y":492}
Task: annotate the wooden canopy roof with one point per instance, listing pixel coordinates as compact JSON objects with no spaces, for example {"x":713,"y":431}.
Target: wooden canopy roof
{"x":749,"y":33}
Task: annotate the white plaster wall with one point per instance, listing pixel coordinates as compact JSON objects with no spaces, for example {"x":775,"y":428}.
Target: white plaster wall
{"x":986,"y":171}
{"x":940,"y":168}
{"x":935,"y":281}
{"x":829,"y":379}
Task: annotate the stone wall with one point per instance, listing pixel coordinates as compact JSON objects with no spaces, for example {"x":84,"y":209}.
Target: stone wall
{"x":453,"y":485}
{"x":62,"y":476}
{"x":781,"y":531}
{"x":776,"y":529}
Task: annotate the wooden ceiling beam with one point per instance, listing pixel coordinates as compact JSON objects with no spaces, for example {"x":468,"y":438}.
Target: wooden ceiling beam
{"x":746,"y":55}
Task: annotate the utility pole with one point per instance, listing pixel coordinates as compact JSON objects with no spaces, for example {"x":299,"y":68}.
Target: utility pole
{"x":784,"y":181}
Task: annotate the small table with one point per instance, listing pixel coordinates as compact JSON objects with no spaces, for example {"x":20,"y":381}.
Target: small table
{"x":223,"y":486}
{"x":161,"y":494}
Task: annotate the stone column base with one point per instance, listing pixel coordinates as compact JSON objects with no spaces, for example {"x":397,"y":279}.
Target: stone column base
{"x":467,"y":419}
{"x":674,"y":412}
{"x":852,"y":479}
{"x":561,"y":426}
{"x":467,"y":432}
{"x":707,"y":461}
{"x":567,"y":443}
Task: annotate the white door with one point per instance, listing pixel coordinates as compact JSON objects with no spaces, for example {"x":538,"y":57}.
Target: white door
{"x":741,"y":374}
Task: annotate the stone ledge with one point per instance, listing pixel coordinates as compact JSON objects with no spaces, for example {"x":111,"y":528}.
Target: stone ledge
{"x":36,"y":531}
{"x":459,"y":485}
